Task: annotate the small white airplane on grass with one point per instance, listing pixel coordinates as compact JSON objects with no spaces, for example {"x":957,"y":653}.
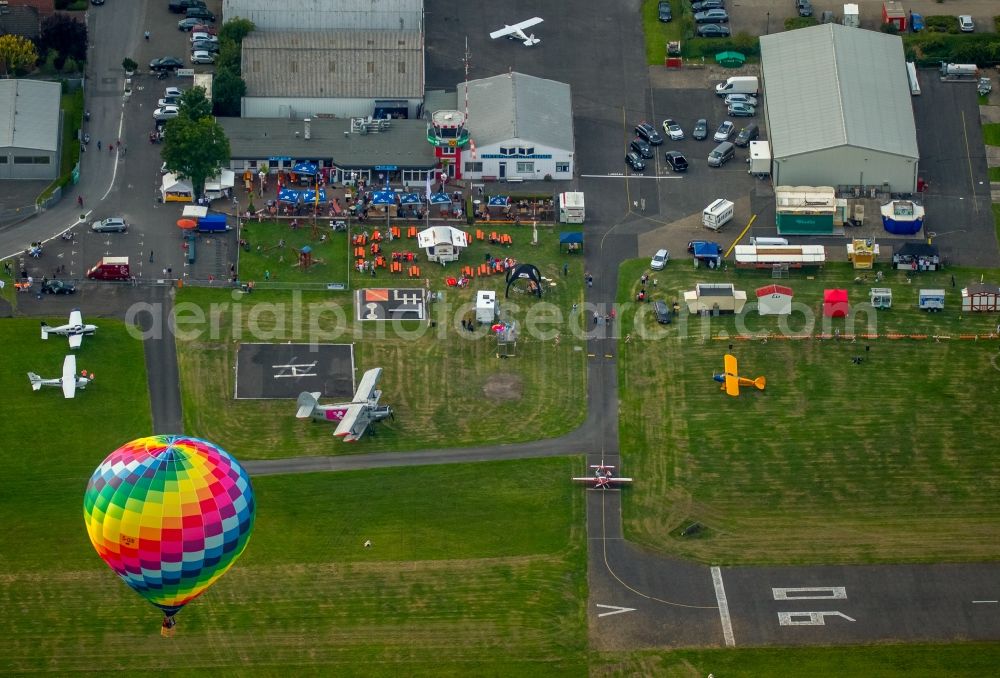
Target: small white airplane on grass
{"x":354,"y":417}
{"x":516,"y":32}
{"x":74,"y":329}
{"x":69,"y":381}
{"x":603,"y":477}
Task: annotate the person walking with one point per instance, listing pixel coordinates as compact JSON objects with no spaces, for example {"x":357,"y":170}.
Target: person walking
{"x":146,"y":34}
{"x":79,"y":200}
{"x":98,"y":144}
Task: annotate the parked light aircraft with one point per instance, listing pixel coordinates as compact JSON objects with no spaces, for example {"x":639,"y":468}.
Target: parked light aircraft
{"x":354,"y":417}
{"x":69,"y":381}
{"x":516,"y":32}
{"x":603,"y":478}
{"x":74,"y":329}
{"x":731,"y":381}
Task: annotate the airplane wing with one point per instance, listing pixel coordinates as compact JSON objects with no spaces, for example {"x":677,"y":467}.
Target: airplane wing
{"x":69,"y":376}
{"x":732,"y":380}
{"x":366,"y":389}
{"x":75,"y":317}
{"x":528,"y":23}
{"x":75,"y":340}
{"x":354,"y":423}
{"x":516,"y":28}
{"x":506,"y":30}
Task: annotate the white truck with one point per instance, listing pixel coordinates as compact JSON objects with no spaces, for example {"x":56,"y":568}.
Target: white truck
{"x":571,"y":208}
{"x":759,"y":160}
{"x":718,"y":214}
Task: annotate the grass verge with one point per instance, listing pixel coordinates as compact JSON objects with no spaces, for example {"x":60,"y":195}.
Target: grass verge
{"x":876,"y":661}
{"x":487,"y":578}
{"x":796,"y":473}
{"x":991,"y":134}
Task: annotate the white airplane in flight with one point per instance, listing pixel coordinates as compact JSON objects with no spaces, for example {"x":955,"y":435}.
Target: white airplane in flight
{"x":74,"y":329}
{"x":69,"y":381}
{"x":516,"y":32}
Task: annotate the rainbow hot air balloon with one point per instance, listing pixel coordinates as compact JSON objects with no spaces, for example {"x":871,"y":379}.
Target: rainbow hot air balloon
{"x":169,"y":514}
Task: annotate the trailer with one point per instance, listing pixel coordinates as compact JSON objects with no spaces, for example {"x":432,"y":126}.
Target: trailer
{"x":852,"y":16}
{"x":931,"y":300}
{"x":892,"y":13}
{"x":487,"y":309}
{"x":793,"y":256}
{"x":759,"y":160}
{"x":718,"y":214}
{"x":571,"y":207}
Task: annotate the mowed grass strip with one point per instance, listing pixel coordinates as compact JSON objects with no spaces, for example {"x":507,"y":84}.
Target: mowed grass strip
{"x":49,"y":446}
{"x":472,"y":568}
{"x":874,"y":661}
{"x":889,"y":460}
{"x":446,"y":385}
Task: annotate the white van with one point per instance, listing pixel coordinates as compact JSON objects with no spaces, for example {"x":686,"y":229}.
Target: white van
{"x":716,"y":215}
{"x":768,"y":242}
{"x":738,"y":84}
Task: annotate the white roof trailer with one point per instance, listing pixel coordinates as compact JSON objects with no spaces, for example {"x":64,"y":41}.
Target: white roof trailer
{"x":571,"y":208}
{"x":795,"y":256}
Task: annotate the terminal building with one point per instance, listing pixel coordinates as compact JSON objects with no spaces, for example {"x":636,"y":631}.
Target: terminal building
{"x":32,"y":129}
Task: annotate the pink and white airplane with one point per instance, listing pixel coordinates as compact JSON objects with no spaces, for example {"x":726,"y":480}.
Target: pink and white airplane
{"x":352,"y":418}
{"x":603,"y":478}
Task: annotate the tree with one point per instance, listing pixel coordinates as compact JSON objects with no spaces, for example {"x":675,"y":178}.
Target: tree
{"x":129,"y":65}
{"x":64,"y":34}
{"x":236,"y":30}
{"x":16,"y":54}
{"x":228,"y":89}
{"x":228,"y":58}
{"x":194,"y":105}
{"x":196,"y":149}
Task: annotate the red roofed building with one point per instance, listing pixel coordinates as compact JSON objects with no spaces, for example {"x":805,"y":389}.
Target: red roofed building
{"x":774,"y":300}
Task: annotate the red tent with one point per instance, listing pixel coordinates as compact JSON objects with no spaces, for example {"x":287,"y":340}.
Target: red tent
{"x":835,"y":303}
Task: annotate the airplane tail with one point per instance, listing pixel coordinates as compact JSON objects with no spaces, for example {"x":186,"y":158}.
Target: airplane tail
{"x":532,"y":40}
{"x":36,"y":381}
{"x":307,"y":403}
{"x":45,"y":330}
{"x":760,"y":383}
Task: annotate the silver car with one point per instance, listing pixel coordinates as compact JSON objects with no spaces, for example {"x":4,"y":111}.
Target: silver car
{"x":110,"y":225}
{"x":202,"y":57}
{"x":747,"y":99}
{"x":725,"y":131}
{"x":166,"y":113}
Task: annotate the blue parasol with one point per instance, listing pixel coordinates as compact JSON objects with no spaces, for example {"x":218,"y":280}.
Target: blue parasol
{"x":289,"y":195}
{"x":384,"y":197}
{"x":309,"y":196}
{"x":498,"y":200}
{"x":409,"y":199}
{"x":305,"y":168}
{"x":440,"y":199}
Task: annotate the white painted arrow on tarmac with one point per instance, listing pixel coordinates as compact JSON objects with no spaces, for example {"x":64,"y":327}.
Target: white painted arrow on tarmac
{"x":615,"y":609}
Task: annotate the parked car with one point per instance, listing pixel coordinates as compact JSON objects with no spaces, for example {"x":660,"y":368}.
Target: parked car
{"x":672,"y":129}
{"x":712,"y":16}
{"x":173,"y":92}
{"x":916,"y":22}
{"x":649,"y":133}
{"x":664,"y":12}
{"x":635,"y":161}
{"x":741,"y":111}
{"x":965,"y":23}
{"x":747,"y":99}
{"x":203,"y":35}
{"x":166,"y":113}
{"x":641,"y":147}
{"x":704,"y":5}
{"x":181,"y":6}
{"x":202,"y":57}
{"x":199,"y":13}
{"x":676,"y":160}
{"x":58,"y":286}
{"x":700,"y":130}
{"x":168,"y":101}
{"x":165,"y":64}
{"x":661,"y":312}
{"x":96,"y":2}
{"x":746,"y":135}
{"x":110,"y":225}
{"x":724,"y":132}
{"x":205,"y":46}
{"x":188,"y":24}
{"x":804,"y":7}
{"x":205,"y":28}
{"x":659,"y":260}
{"x":713,"y":31}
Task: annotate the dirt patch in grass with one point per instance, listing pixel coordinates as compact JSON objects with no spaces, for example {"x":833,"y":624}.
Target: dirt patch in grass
{"x":501,"y":388}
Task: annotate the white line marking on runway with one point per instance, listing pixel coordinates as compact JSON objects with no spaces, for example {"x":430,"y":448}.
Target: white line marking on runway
{"x":994,"y":602}
{"x":720,"y":597}
{"x":629,"y":176}
{"x":615,"y":609}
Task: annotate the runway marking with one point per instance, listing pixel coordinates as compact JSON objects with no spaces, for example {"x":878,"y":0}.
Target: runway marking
{"x":630,"y":176}
{"x":607,"y":566}
{"x":983,"y":602}
{"x":811,"y":593}
{"x":615,"y":609}
{"x":968,"y":159}
{"x":809,"y":618}
{"x":720,"y":596}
